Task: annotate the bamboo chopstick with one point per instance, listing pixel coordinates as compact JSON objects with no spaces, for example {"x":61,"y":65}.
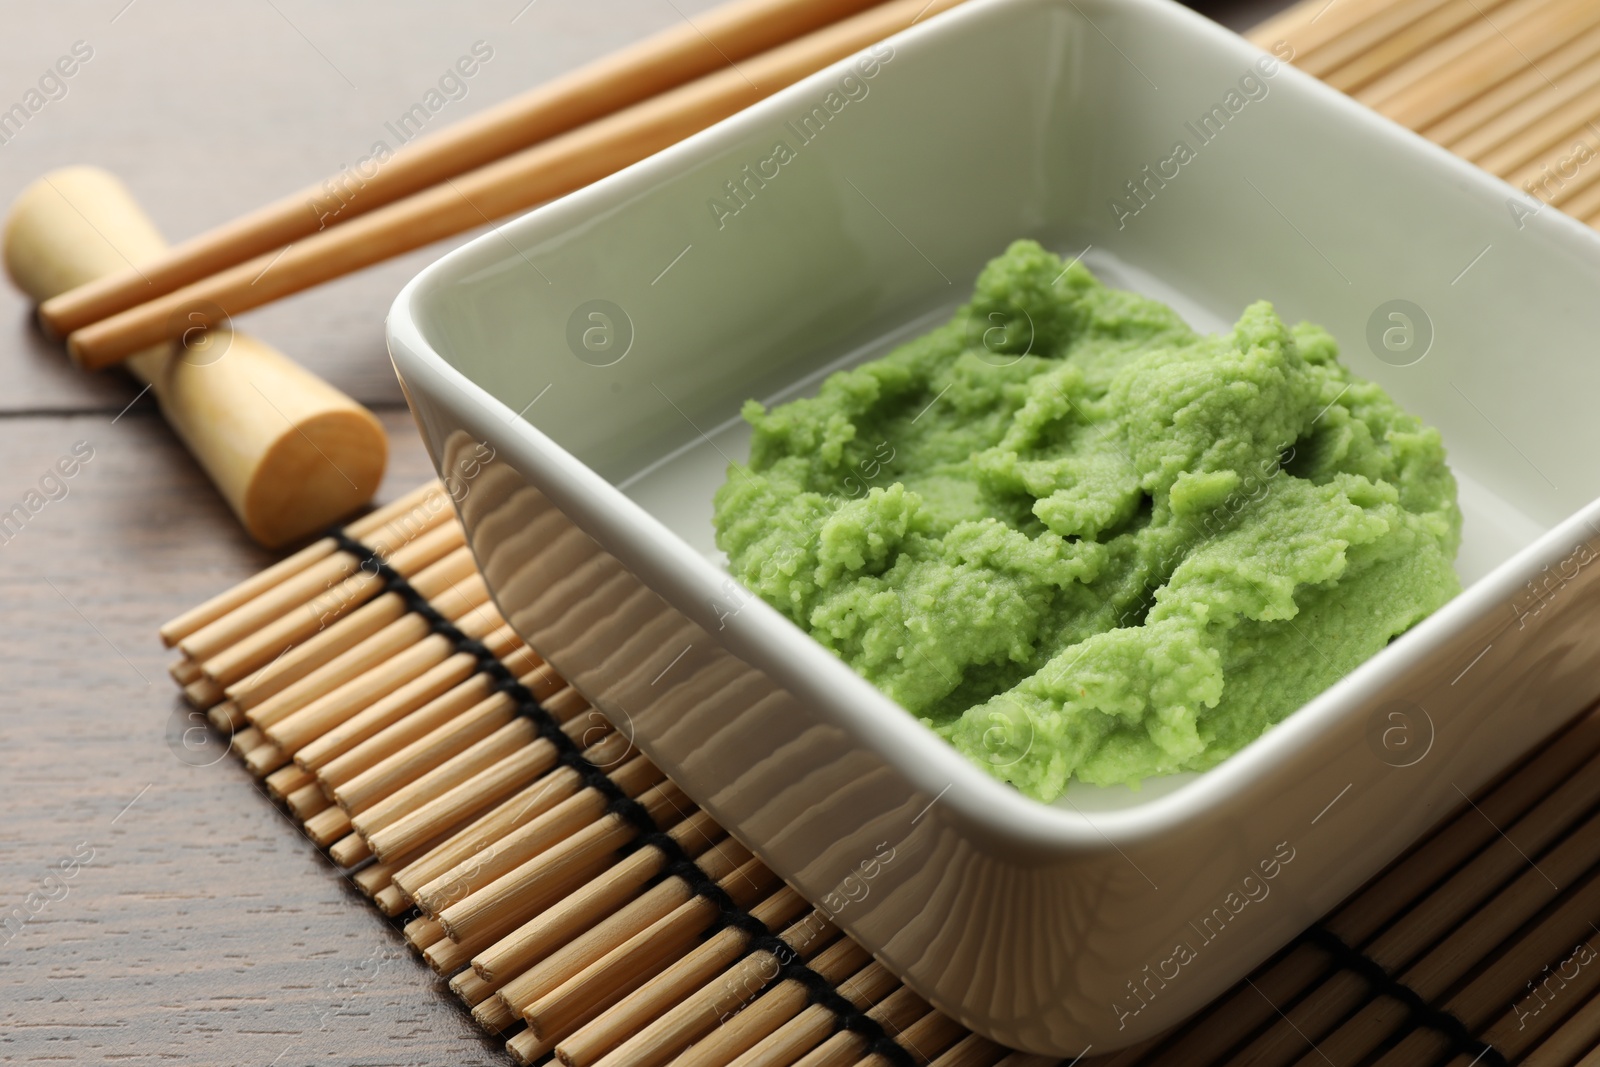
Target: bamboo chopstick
{"x":507,"y":185}
{"x":688,"y":50}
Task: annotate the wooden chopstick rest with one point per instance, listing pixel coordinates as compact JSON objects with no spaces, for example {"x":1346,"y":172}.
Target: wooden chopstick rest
{"x":288,"y":452}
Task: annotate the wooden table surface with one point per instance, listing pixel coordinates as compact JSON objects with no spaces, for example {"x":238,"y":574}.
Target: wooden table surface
{"x":202,"y":925}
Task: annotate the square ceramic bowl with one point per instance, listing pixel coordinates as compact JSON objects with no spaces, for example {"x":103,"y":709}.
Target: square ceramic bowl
{"x":577,"y":375}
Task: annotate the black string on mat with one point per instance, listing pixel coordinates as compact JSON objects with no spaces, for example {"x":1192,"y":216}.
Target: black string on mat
{"x":819,"y":990}
{"x":1420,"y":1011}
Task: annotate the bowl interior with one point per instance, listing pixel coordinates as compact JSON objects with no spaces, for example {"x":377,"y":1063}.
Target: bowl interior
{"x":629,"y":322}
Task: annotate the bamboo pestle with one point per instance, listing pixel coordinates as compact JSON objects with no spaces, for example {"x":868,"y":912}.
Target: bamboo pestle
{"x":289,"y":453}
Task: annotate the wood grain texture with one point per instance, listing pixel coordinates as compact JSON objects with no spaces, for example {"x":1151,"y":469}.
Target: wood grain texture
{"x":204,"y":928}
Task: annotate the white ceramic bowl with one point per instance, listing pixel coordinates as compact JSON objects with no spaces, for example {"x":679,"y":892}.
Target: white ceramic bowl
{"x":577,"y":376}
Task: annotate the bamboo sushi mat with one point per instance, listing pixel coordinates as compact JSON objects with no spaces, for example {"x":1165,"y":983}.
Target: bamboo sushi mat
{"x":581,"y":906}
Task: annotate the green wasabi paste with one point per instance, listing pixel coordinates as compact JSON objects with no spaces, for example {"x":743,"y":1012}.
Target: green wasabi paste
{"x":1076,"y":538}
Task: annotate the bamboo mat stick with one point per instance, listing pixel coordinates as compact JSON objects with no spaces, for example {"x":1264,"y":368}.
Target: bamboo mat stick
{"x":264,"y":581}
{"x":1310,"y":27}
{"x":1552,"y":937}
{"x":344,"y":633}
{"x":1533,"y":1010}
{"x":273,"y":640}
{"x":499,"y":906}
{"x":307,"y":801}
{"x":326,"y":828}
{"x":1400,"y":890}
{"x":405,"y":766}
{"x":771,"y":1009}
{"x":263,"y":664}
{"x":806,"y":1031}
{"x":411,"y":653}
{"x":729,"y":864}
{"x":894,"y":1013}
{"x":1569,"y":65}
{"x":366,"y":654}
{"x":426,"y":753}
{"x":566,"y":809}
{"x":1365,"y":29}
{"x":553,"y":927}
{"x":285,"y":780}
{"x":1422,"y":98}
{"x":1519,"y":102}
{"x":474,"y":847}
{"x":372,"y":878}
{"x":1520,"y":158}
{"x":971,"y":1051}
{"x":925,"y":1039}
{"x":1565,"y":763}
{"x":1416,"y":39}
{"x":383,"y":704}
{"x":244,"y":740}
{"x":646,"y":953}
{"x":1324,"y":1017}
{"x":692,"y":997}
{"x":448,"y":956}
{"x":1466,"y":944}
{"x":508,"y":185}
{"x":302,"y":588}
{"x":1479,"y":56}
{"x":689,"y":49}
{"x":517,"y":739}
{"x":461,"y":804}
{"x":1441,"y":55}
{"x":379,"y":731}
{"x":1576,"y":1035}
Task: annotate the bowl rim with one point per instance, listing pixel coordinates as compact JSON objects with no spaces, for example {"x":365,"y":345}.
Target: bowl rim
{"x":773,"y":644}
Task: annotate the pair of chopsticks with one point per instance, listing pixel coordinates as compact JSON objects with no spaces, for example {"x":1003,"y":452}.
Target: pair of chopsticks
{"x":539,"y":145}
